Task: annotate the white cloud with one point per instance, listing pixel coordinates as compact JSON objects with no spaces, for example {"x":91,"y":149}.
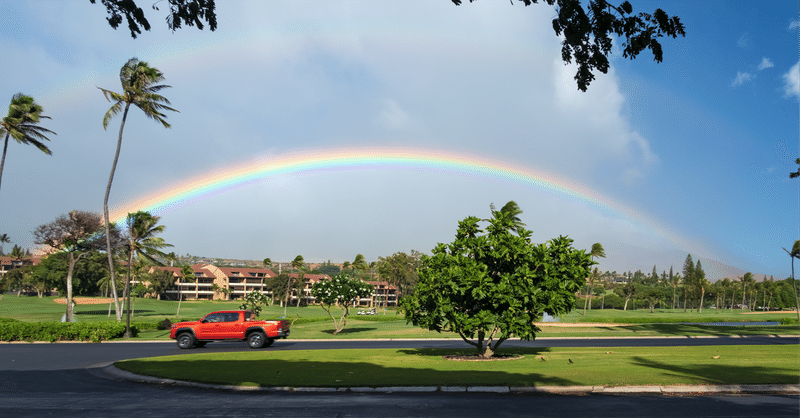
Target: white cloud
{"x":741,"y":78}
{"x":791,"y":81}
{"x":392,"y":116}
{"x":745,"y":40}
{"x":765,"y":63}
{"x":794,"y":25}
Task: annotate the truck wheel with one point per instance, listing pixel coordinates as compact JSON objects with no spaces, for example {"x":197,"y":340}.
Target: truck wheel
{"x":256,"y":339}
{"x":269,"y":342}
{"x":186,"y":340}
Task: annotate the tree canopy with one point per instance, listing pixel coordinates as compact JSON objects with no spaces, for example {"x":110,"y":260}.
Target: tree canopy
{"x":494,"y":284}
{"x":586,"y":32}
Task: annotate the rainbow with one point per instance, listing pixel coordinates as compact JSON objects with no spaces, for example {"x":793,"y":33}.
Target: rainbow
{"x":189,"y":191}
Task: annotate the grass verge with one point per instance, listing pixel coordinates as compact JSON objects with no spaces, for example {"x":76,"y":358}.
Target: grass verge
{"x":426,"y":367}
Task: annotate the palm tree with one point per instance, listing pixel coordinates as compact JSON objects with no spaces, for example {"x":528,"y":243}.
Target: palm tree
{"x":297,"y":264}
{"x":4,"y":239}
{"x":597,"y":251}
{"x":17,"y":253}
{"x":142,"y":243}
{"x":138,"y":88}
{"x":359,"y":264}
{"x":22,"y":125}
{"x":511,"y":210}
{"x":795,"y":253}
{"x":187,"y":276}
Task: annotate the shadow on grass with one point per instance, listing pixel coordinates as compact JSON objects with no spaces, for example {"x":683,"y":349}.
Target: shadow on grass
{"x":266,"y":372}
{"x":347,"y":331}
{"x":144,"y":312}
{"x":468,"y":350}
{"x":723,"y":374}
{"x":709,"y":330}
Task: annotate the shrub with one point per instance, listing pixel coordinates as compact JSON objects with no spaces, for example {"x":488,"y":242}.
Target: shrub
{"x":62,"y":331}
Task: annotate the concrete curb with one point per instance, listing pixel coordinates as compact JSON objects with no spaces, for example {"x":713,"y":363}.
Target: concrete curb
{"x":112,"y":372}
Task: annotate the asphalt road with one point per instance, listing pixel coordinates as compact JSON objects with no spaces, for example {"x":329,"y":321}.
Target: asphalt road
{"x":66,"y":380}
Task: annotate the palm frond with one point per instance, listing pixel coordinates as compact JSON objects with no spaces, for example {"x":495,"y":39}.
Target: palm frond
{"x":113,"y":111}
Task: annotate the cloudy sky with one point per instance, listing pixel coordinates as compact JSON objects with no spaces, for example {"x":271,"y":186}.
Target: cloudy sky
{"x":689,"y":156}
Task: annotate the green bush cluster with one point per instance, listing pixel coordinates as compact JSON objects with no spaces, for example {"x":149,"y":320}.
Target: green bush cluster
{"x":62,"y":331}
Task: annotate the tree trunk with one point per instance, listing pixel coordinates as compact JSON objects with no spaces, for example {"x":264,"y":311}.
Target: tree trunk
{"x":702,"y":296}
{"x":127,"y":297}
{"x":744,"y":287}
{"x":109,"y":250}
{"x":69,"y":316}
{"x":3,"y":160}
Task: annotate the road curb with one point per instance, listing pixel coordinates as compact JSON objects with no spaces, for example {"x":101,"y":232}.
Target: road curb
{"x":114,"y":373}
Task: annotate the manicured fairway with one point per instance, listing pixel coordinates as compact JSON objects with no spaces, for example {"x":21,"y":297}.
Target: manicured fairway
{"x":427,"y":367}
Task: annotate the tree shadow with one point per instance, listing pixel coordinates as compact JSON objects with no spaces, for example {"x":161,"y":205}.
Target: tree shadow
{"x":346,"y":331}
{"x":723,"y":374}
{"x":266,"y":372}
{"x":143,"y":312}
{"x":469,"y":350}
{"x":705,"y":330}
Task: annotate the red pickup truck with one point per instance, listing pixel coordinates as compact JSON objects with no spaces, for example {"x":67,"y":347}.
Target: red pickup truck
{"x":229,"y":325}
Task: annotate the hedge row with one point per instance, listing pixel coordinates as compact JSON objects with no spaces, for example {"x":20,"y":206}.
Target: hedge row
{"x":62,"y":331}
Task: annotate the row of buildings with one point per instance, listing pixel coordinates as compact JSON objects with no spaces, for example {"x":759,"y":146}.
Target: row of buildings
{"x":222,"y":283}
{"x":230,"y":283}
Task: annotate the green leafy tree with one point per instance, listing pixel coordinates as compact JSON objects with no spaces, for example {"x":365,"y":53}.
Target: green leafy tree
{"x":142,"y":244}
{"x":494,"y":284}
{"x":139,"y":88}
{"x":688,"y":278}
{"x":160,"y":280}
{"x":401,"y":270}
{"x":22,"y":124}
{"x":626,"y":291}
{"x":75,"y":234}
{"x":701,"y":283}
{"x":586,"y":32}
{"x":181,"y":12}
{"x":341,"y":292}
{"x":254,"y":302}
{"x":18,"y":278}
{"x":277,"y":286}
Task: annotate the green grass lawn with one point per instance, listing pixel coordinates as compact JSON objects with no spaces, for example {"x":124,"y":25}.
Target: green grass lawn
{"x":777,"y":364}
{"x":314,"y":323}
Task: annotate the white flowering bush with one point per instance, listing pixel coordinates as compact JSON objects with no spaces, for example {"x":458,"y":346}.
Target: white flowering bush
{"x":342,"y":292}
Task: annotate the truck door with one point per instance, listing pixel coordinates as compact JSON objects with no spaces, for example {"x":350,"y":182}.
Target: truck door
{"x":232,"y":326}
{"x":210,"y":326}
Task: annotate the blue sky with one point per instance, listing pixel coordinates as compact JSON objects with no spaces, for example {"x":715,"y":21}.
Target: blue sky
{"x":700,"y":144}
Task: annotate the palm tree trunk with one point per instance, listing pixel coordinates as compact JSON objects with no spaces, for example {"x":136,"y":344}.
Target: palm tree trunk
{"x":127,"y":297}
{"x":702,"y":296}
{"x":3,"y":160}
{"x":105,"y":212}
